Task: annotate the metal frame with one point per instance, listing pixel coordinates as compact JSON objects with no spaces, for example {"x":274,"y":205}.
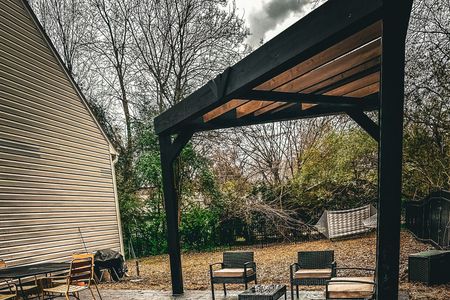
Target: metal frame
{"x":319,"y":30}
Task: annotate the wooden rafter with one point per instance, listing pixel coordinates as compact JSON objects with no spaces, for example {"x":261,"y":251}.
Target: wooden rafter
{"x":217,"y":112}
{"x":360,"y":38}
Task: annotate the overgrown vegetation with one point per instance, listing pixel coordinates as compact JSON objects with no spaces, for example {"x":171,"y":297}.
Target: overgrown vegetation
{"x":135,"y":58}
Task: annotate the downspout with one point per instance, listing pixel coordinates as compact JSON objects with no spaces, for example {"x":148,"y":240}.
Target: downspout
{"x":119,"y":222}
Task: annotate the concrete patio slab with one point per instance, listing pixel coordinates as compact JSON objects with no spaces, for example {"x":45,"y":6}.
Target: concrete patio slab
{"x":190,"y":295}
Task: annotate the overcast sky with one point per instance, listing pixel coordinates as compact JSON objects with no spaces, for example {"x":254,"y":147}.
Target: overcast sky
{"x":267,"y":18}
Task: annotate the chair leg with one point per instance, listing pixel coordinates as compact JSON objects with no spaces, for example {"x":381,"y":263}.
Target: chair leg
{"x":98,"y":291}
{"x":212,"y":291}
{"x":224,"y":290}
{"x":297,"y":291}
{"x":292,"y":291}
{"x":92,"y":293}
{"x":67,"y":296}
{"x":246,"y":286}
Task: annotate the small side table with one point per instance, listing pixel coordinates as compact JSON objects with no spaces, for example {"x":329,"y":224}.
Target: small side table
{"x":264,"y":292}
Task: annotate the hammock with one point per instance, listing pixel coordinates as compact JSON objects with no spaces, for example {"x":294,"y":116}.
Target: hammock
{"x":342,"y":223}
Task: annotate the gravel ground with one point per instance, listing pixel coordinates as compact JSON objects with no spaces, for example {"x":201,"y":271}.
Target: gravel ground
{"x":273,"y":266}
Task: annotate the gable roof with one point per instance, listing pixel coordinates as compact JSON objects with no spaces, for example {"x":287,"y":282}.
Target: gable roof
{"x":77,"y":89}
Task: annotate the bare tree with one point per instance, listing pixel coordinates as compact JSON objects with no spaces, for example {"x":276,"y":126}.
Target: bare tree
{"x":182,"y":44}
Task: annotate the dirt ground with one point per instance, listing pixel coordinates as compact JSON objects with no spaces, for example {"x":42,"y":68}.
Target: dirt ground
{"x":273,"y":265}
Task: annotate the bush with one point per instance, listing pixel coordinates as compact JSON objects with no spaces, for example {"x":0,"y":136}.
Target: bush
{"x":199,"y":228}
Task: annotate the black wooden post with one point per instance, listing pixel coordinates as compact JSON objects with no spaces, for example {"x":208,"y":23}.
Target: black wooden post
{"x":169,"y":151}
{"x":395,"y":23}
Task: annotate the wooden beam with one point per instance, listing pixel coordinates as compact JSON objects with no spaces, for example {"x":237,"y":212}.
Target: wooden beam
{"x":355,"y":85}
{"x":319,"y":30}
{"x":360,"y":38}
{"x":364,"y":91}
{"x":293,"y":112}
{"x":395,"y":23}
{"x":345,"y":77}
{"x":336,"y":81}
{"x":168,"y":154}
{"x":344,"y":63}
{"x":251,"y":107}
{"x":365,"y":123}
{"x":287,"y":97}
{"x":230,"y":105}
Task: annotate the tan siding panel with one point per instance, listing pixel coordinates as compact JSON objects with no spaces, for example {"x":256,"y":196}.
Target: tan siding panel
{"x":9,"y":129}
{"x":26,"y":94}
{"x":38,"y":159}
{"x":29,"y":113}
{"x":55,"y":166}
{"x":46,"y":145}
{"x":48,"y":176}
{"x":46,"y":130}
{"x":45,"y":178}
{"x":83,"y":174}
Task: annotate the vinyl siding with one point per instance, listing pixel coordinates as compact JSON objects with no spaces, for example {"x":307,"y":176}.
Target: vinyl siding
{"x":55,"y":163}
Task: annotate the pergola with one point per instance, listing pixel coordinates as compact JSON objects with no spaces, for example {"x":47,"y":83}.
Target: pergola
{"x":345,"y":57}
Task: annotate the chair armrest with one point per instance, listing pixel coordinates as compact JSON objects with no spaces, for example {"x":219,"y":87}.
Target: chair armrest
{"x":293,"y":268}
{"x":11,"y":286}
{"x":212,"y":265}
{"x":249,"y":264}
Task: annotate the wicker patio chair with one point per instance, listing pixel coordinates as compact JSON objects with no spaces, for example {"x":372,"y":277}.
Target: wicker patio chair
{"x":80,"y":277}
{"x":312,"y":268}
{"x":236,"y":268}
{"x":29,"y":288}
{"x":361,"y":286}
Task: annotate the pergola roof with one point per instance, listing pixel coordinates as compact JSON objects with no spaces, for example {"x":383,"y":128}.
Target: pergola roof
{"x":314,"y":68}
{"x":330,"y":62}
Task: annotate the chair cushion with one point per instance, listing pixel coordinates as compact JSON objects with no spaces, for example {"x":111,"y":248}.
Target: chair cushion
{"x":312,"y":273}
{"x":232,"y":272}
{"x":350,"y":290}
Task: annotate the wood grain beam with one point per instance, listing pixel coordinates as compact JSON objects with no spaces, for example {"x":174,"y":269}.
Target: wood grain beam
{"x":217,"y":112}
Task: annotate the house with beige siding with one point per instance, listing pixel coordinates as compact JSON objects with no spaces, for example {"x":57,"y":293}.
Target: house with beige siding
{"x":57,"y":184}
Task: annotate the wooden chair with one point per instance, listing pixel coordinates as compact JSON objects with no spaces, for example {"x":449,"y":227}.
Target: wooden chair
{"x":236,"y":267}
{"x":80,"y":278}
{"x":312,"y":268}
{"x":30,"y":288}
{"x":352,"y":287}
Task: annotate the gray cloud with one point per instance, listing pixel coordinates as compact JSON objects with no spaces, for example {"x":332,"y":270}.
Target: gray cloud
{"x":270,"y":15}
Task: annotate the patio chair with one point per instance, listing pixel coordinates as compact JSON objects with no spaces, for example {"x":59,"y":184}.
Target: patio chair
{"x":80,"y":278}
{"x":312,"y":268}
{"x":29,"y":288}
{"x":8,"y":290}
{"x":352,"y":287}
{"x":236,"y":267}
